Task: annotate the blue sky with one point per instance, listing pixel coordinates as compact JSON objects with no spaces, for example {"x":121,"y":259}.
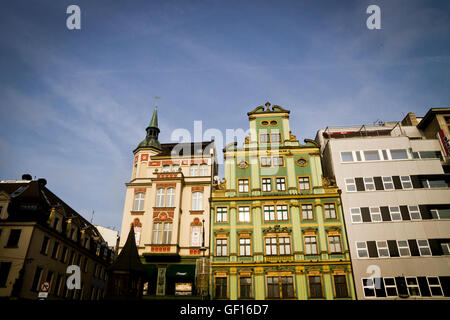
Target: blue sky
{"x":74,"y":104}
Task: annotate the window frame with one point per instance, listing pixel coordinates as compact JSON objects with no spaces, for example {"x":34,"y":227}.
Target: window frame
{"x":350,"y":184}
{"x":312,"y":211}
{"x":223,"y":244}
{"x":247,"y":246}
{"x":266,"y":187}
{"x":221,"y":214}
{"x":279,"y":184}
{"x":369,"y":186}
{"x":247,"y":214}
{"x":403,"y":247}
{"x":306,"y":244}
{"x":402,"y":182}
{"x":423,"y":247}
{"x":304,"y":183}
{"x":372,"y":214}
{"x":366,"y":249}
{"x":354,"y":214}
{"x":245,"y":186}
{"x":327,"y":209}
{"x":391,"y":182}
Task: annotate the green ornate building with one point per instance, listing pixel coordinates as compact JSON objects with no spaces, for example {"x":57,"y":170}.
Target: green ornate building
{"x":277,"y":229}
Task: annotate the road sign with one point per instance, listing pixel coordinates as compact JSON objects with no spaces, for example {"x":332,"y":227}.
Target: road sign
{"x":43,"y":295}
{"x":45,"y":286}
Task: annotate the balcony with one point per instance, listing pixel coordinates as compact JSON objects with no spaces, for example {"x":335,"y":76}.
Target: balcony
{"x":283,"y":258}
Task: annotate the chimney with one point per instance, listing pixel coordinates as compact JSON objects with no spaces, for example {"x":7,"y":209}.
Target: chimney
{"x":410,"y":120}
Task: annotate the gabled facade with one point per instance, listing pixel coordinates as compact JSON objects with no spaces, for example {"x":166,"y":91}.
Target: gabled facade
{"x":277,"y":228}
{"x":167,"y":201}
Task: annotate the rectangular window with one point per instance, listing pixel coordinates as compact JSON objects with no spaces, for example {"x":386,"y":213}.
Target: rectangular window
{"x":406,"y":182}
{"x":282,"y":212}
{"x":281,"y":184}
{"x":221,"y":214}
{"x":44,"y":247}
{"x":390,"y":286}
{"x":275,"y":137}
{"x":55,"y":250}
{"x":369,"y":185}
{"x":384,"y":154}
{"x":267,"y":184}
{"x":388,"y":184}
{"x":157,"y":233}
{"x":243,"y":185}
{"x":375,"y":214}
{"x":311,"y":245}
{"x":303,"y":183}
{"x":273,"y":290}
{"x":395,"y":213}
{"x":371,"y":155}
{"x":167,"y":234}
{"x":264,"y":138}
{"x":350,"y":184}
{"x":13,"y":239}
{"x":334,"y":244}
{"x":399,"y":154}
{"x":424,"y":247}
{"x":315,"y":286}
{"x":413,"y":286}
{"x":414,"y":213}
{"x":445,"y":248}
{"x":64,"y":254}
{"x":244,"y":214}
{"x":245,"y":287}
{"x":271,"y":246}
{"x":35,"y":286}
{"x":287,"y":287}
{"x":382,"y":247}
{"x":244,"y":247}
{"x":340,"y":286}
{"x":356,"y":215}
{"x":221,"y":287}
{"x":4,"y":273}
{"x":269,"y":213}
{"x":403,"y":248}
{"x":368,"y":287}
{"x":358,"y":155}
{"x":284,"y":245}
{"x":361,"y":249}
{"x":435,"y":286}
{"x":347,"y":156}
{"x":330,"y":211}
{"x":278,"y":161}
{"x":221,"y":247}
{"x":307,"y":212}
{"x":266,"y":161}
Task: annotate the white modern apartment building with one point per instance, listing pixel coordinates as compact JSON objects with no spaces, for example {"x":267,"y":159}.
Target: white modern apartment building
{"x":396,"y":202}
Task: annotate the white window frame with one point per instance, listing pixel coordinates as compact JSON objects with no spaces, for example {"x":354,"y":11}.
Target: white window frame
{"x":175,"y":167}
{"x":399,"y":248}
{"x":160,"y":197}
{"x":244,"y":214}
{"x":407,"y":154}
{"x":282,"y":212}
{"x":167,"y":233}
{"x":388,"y":182}
{"x":193,"y":170}
{"x":370,"y":183}
{"x":223,"y":252}
{"x":243,"y":187}
{"x":309,"y":209}
{"x":139,"y":203}
{"x":245,"y":247}
{"x":203,"y":169}
{"x":377,"y":151}
{"x":302,"y":184}
{"x":267,"y":184}
{"x":270,"y":213}
{"x":395,"y":211}
{"x":427,"y":247}
{"x":413,"y":286}
{"x":403,"y":182}
{"x":350,"y":184}
{"x":221,"y":216}
{"x":351,"y":152}
{"x":418,"y":211}
{"x":170,"y":197}
{"x":382,"y":246}
{"x":439,"y":285}
{"x":366,"y":250}
{"x":329,"y":210}
{"x":281,"y":186}
{"x":197,"y":201}
{"x":390,"y":286}
{"x":374,"y":213}
{"x":370,"y":287}
{"x":165,"y":168}
{"x":310,"y":245}
{"x":353,"y":214}
{"x":334,"y":247}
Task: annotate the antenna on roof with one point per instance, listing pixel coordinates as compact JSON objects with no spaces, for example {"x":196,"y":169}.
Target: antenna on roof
{"x":157,"y":98}
{"x":92,"y":218}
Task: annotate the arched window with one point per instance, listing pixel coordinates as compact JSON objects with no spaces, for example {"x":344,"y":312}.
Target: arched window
{"x":197,"y":203}
{"x":166,"y":168}
{"x":175,"y":167}
{"x":203,"y":169}
{"x":160,"y":197}
{"x":194,"y":170}
{"x":170,"y":202}
{"x":139,"y":201}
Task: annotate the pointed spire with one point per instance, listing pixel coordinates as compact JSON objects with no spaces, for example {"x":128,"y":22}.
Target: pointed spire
{"x":154,"y":121}
{"x":128,"y":259}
